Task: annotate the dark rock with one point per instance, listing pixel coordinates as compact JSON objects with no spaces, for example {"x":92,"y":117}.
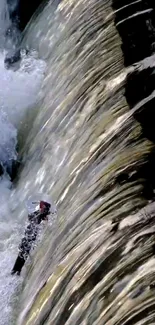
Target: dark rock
{"x":12,"y":169}
{"x":135,"y":30}
{"x":21,"y":11}
{"x":152,"y":286}
{"x":1,"y":170}
{"x":12,"y":58}
{"x":122,"y":178}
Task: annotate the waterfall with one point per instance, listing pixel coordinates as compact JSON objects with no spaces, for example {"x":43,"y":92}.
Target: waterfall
{"x":76,"y":109}
{"x":91,"y":150}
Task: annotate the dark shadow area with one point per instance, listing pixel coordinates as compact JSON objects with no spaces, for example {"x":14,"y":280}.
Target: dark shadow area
{"x":11,"y":168}
{"x":139,"y":86}
{"x":135,"y":22}
{"x":21,"y":11}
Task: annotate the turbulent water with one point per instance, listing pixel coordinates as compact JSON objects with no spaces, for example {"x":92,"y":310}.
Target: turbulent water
{"x":88,"y":151}
{"x":18,"y":96}
{"x":14,"y":105}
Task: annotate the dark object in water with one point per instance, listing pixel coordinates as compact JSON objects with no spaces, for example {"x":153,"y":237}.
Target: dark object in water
{"x":18,"y":265}
{"x":1,"y":170}
{"x":12,"y":169}
{"x":12,"y":58}
{"x":137,"y":292}
{"x":122,"y":178}
{"x":30,"y":235}
{"x":152,"y":286}
{"x":116,"y":225}
{"x":153,"y":249}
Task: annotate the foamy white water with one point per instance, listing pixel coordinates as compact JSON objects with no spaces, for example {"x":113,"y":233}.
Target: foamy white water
{"x":19,"y":91}
{"x":23,"y":85}
{"x":8,"y":241}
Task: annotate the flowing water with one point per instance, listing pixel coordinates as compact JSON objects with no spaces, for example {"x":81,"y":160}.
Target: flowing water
{"x":18,"y":95}
{"x":96,"y":262}
{"x":89,"y":153}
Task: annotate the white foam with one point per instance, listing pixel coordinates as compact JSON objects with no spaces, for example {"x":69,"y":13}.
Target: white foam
{"x":8,"y":139}
{"x":8,"y":246}
{"x":19,"y":89}
{"x":18,"y":93}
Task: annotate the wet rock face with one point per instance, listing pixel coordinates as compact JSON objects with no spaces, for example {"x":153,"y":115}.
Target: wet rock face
{"x":11,"y":168}
{"x":135,"y":22}
{"x":1,"y":170}
{"x":20,"y":11}
{"x":12,"y":58}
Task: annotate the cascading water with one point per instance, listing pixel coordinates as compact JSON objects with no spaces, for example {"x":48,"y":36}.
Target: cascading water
{"x":86,"y":149}
{"x":96,"y":264}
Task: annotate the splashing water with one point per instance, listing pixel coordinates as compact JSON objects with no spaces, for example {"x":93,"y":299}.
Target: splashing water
{"x":18,"y":94}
